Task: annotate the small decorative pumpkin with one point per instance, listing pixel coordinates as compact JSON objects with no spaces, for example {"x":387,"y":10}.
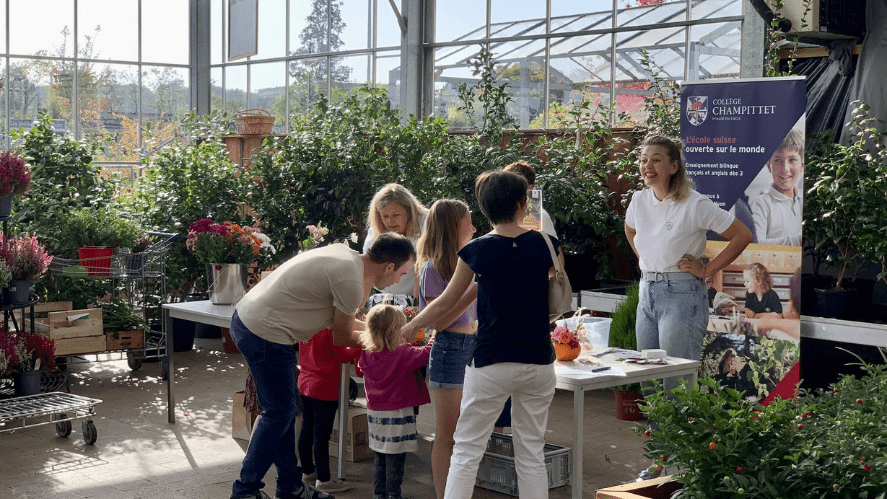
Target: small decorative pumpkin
{"x":566,"y":351}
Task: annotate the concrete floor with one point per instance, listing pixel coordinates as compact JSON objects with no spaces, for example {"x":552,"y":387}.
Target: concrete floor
{"x":138,"y":454}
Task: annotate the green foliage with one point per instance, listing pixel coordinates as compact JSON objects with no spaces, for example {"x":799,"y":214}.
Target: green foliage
{"x":622,"y":329}
{"x":188,"y":181}
{"x":92,"y":226}
{"x":63,"y":178}
{"x":118,"y":315}
{"x":846,"y":204}
{"x":824,"y":444}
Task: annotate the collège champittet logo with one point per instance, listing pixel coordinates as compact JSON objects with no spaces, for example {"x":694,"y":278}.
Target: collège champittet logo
{"x":697,"y":109}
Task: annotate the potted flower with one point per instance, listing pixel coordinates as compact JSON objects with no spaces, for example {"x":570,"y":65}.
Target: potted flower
{"x":227,"y":250}
{"x":14,"y":179}
{"x":25,"y":356}
{"x":28,"y":261}
{"x":566,"y":347}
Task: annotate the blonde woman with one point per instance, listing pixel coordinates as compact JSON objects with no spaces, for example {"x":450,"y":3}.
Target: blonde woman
{"x":395,"y":209}
{"x":448,"y":229}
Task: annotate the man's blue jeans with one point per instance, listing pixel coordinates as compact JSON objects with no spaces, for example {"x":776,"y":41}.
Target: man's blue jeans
{"x":273,"y":441}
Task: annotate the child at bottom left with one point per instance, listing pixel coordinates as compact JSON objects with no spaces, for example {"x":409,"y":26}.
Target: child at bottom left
{"x":394,"y":387}
{"x":321,"y":363}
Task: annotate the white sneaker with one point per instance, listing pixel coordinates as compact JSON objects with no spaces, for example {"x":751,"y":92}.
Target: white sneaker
{"x":334,"y":485}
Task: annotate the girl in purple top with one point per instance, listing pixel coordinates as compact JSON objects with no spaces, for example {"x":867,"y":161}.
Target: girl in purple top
{"x":448,"y":228}
{"x":394,"y":386}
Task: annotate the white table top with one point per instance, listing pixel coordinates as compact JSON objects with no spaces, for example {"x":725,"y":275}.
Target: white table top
{"x":202,"y":311}
{"x":569,"y":376}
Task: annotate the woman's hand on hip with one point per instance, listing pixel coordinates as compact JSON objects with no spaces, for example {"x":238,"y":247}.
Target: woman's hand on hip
{"x":690,"y":264}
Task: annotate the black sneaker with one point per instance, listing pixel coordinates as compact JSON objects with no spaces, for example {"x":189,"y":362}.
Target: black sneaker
{"x":307,"y":492}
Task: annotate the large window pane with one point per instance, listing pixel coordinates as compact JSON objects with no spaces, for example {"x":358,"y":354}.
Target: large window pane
{"x":715,"y":8}
{"x":453,"y":21}
{"x":41,"y":27}
{"x":267,"y":84}
{"x":505,"y":11}
{"x":388,"y":75}
{"x":650,"y":12}
{"x":521,"y":65}
{"x":235,"y":89}
{"x":28,"y":81}
{"x":108,"y":30}
{"x":580,"y":22}
{"x":166,"y":97}
{"x":309,"y":28}
{"x":450,"y":70}
{"x":580,"y":71}
{"x":359,"y":69}
{"x":217,"y":31}
{"x":387,"y":30}
{"x":165,"y":31}
{"x":308,"y":81}
{"x":714,"y":51}
{"x":272,"y":30}
{"x":3,"y":30}
{"x":217,"y":93}
{"x":108,"y":108}
{"x":573,"y":7}
{"x":665,"y":52}
{"x":354,"y":19}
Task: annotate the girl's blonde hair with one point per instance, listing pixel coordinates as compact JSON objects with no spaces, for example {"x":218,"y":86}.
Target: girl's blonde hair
{"x":383,"y":328}
{"x":760,"y":274}
{"x":396,"y":193}
{"x":439,"y":242}
{"x":679,"y":184}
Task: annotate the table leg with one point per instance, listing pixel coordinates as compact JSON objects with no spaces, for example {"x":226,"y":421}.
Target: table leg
{"x":578,"y":418}
{"x":344,"y":377}
{"x":170,"y":370}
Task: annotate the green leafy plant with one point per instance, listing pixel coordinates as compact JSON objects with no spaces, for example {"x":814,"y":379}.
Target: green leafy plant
{"x":118,"y":315}
{"x":827,"y":443}
{"x":102,"y":227}
{"x":622,"y":328}
{"x":847,"y":197}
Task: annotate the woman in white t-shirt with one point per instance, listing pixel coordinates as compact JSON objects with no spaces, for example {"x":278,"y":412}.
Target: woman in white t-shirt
{"x":395,"y":209}
{"x":666,"y":225}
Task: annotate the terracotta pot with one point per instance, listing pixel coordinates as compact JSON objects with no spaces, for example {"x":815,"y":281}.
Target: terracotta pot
{"x":566,"y":352}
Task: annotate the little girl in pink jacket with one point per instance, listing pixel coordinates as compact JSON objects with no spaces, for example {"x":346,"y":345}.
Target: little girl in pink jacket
{"x":394,"y":386}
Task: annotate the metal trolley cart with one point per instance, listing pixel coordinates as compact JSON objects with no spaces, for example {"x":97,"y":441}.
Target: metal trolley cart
{"x":133,"y":272}
{"x":56,"y":408}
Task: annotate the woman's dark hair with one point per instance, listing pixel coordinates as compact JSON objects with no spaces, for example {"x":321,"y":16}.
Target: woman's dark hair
{"x":499,"y":193}
{"x":391,"y":248}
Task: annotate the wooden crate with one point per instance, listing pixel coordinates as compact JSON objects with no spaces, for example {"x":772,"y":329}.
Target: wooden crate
{"x":125,"y":340}
{"x":57,"y":326}
{"x":80,"y":345}
{"x":23,"y":316}
{"x":657,"y":488}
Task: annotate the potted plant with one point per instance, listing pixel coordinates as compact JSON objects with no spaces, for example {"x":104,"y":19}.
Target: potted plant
{"x":227,"y":250}
{"x":94,"y":233}
{"x":14,"y":179}
{"x":28,"y":261}
{"x":566,"y":347}
{"x":5,"y":278}
{"x":846,"y":196}
{"x":124,"y":328}
{"x":622,"y":335}
{"x":826,"y":443}
{"x":25,"y":356}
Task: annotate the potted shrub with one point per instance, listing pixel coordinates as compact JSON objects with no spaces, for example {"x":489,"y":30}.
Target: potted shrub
{"x":622,"y":335}
{"x":28,"y":261}
{"x":842,"y":206}
{"x":14,"y":179}
{"x":94,"y":233}
{"x":827,"y":443}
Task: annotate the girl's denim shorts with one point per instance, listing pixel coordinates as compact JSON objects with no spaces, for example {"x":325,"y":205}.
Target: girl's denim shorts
{"x":450,"y":354}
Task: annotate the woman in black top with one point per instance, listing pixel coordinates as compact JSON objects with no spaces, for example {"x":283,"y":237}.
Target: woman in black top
{"x":513,"y":355}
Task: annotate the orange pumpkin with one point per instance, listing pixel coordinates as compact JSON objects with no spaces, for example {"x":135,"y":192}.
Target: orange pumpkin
{"x":565,"y":352}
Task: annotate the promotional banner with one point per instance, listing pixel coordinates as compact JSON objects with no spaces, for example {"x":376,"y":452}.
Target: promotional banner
{"x":744,"y":149}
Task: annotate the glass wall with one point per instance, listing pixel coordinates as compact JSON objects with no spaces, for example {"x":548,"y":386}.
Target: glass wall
{"x":306,"y":49}
{"x":84,"y":63}
{"x":581,"y":50}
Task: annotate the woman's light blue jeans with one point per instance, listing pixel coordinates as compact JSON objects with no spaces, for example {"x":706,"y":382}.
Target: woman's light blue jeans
{"x":672,"y":315}
{"x":273,"y":440}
